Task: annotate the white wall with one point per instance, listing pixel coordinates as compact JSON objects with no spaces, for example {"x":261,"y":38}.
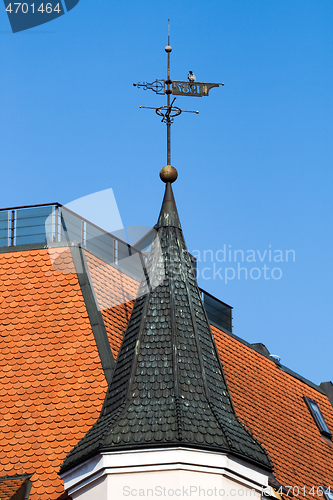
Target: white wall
{"x":176,"y":484}
{"x":95,"y":490}
{"x":166,"y":473}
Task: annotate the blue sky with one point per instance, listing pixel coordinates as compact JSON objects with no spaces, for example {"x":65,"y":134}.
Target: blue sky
{"x":255,"y":166}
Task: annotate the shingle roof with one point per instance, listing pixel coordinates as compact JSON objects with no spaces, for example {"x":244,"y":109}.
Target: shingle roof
{"x":269,"y":400}
{"x":14,"y":487}
{"x":52,"y":382}
{"x":267,"y":397}
{"x":115,"y":293}
{"x":168,"y":387}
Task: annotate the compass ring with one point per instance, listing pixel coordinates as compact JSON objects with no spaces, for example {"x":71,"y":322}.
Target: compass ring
{"x":170,"y":111}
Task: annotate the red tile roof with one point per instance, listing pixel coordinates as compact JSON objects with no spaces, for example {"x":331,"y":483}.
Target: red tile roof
{"x":115,"y":293}
{"x":270,"y":403}
{"x":52,"y":382}
{"x":268,"y":400}
{"x":13,"y":487}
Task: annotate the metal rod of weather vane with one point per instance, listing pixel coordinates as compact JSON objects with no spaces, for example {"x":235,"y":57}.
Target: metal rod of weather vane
{"x":168,"y":92}
{"x":169,"y":119}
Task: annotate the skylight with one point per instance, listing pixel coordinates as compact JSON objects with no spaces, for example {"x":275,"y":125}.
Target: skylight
{"x":319,"y":419}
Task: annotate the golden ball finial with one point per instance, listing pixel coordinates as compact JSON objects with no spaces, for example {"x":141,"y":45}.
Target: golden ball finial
{"x":168,"y":174}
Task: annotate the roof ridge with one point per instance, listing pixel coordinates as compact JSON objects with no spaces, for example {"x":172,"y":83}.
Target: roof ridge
{"x":268,"y":356}
{"x":16,"y":476}
{"x":200,"y":353}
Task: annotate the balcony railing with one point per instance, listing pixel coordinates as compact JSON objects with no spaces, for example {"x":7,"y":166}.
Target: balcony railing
{"x":53,"y":223}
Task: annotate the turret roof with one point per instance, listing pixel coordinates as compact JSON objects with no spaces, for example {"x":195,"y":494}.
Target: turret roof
{"x":168,"y":388}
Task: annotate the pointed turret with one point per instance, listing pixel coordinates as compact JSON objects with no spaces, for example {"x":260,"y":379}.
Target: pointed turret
{"x":168,"y":214}
{"x":168,"y":388}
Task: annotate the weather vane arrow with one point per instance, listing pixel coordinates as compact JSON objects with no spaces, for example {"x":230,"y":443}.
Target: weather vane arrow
{"x":190,"y":88}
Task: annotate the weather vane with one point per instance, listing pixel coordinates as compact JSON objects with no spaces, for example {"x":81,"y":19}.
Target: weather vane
{"x":190,"y":88}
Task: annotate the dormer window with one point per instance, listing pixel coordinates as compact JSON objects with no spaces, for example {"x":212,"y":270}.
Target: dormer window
{"x":318,"y":418}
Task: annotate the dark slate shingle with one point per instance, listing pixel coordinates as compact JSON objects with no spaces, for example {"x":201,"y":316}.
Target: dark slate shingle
{"x":168,"y":388}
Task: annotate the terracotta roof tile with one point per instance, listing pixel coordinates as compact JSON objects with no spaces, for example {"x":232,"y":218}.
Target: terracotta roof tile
{"x":53,"y":385}
{"x":270,"y":403}
{"x":268,"y":400}
{"x":11,"y":485}
{"x":115,"y":293}
{"x":43,"y":326}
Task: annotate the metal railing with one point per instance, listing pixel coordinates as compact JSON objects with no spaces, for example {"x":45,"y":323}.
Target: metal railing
{"x":24,"y":225}
{"x":54,"y":223}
